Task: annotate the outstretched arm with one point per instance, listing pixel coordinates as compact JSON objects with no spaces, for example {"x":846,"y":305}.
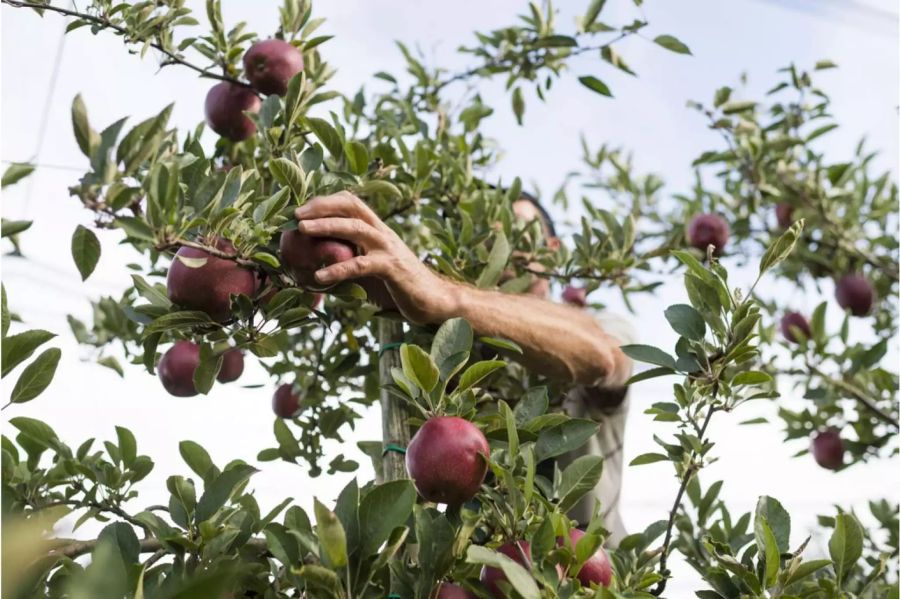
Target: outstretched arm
{"x":558,"y":341}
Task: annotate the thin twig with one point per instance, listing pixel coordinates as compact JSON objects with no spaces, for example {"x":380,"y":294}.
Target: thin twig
{"x":857,"y":394}
{"x":105,"y":24}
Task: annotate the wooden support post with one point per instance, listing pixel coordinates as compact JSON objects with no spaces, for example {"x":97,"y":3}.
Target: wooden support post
{"x":394,"y":426}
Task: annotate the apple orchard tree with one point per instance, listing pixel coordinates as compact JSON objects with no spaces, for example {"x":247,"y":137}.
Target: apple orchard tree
{"x":226,"y":277}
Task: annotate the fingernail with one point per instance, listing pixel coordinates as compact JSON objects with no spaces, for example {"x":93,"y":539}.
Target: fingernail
{"x":302,"y":210}
{"x":323,"y":276}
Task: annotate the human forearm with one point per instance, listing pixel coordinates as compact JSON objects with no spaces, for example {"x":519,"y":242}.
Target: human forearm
{"x":557,"y":341}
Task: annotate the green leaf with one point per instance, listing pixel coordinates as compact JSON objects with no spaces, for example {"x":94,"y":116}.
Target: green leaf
{"x":782,"y":247}
{"x":328,"y":135}
{"x":649,"y":354}
{"x":777,"y":518}
{"x":648,"y":458}
{"x":672,"y":43}
{"x":750,"y":377}
{"x":177,"y":320}
{"x":504,"y":344}
{"x":649,"y":374}
{"x":517,"y":576}
{"x":85,"y":251}
{"x":518,"y":104}
{"x":14,"y":173}
{"x":768,"y":547}
{"x":686,"y":321}
{"x":290,"y":175}
{"x":535,"y":403}
{"x":379,"y":187}
{"x":155,"y":294}
{"x":357,"y":157}
{"x":9,"y":228}
{"x":331,"y":536}
{"x":216,"y":494}
{"x":564,"y":437}
{"x":122,"y":535}
{"x":452,"y":340}
{"x":86,"y":137}
{"x":845,"y":545}
{"x":127,"y":445}
{"x":805,"y":569}
{"x":207,"y":368}
{"x":5,"y":317}
{"x":476,"y":372}
{"x":282,"y":544}
{"x":36,"y":376}
{"x":383,"y":509}
{"x":111,"y":363}
{"x":197,"y":459}
{"x":825,"y":64}
{"x":578,"y":478}
{"x":36,"y":430}
{"x":592,"y":13}
{"x":418,"y":367}
{"x":18,"y":348}
{"x":736,"y":106}
{"x":496,"y":262}
{"x":594,"y":84}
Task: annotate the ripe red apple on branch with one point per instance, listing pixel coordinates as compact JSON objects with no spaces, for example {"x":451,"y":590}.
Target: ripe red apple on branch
{"x":270,"y":64}
{"x":285,"y":402}
{"x":708,"y":229}
{"x":225,"y":106}
{"x":576,"y":296}
{"x":597,"y":569}
{"x":793,"y":323}
{"x":176,"y":368}
{"x":448,"y":590}
{"x":209,"y":286}
{"x":855,"y":293}
{"x":784,"y":214}
{"x":232,"y":366}
{"x":446,"y":460}
{"x":302,"y":255}
{"x":828,"y":449}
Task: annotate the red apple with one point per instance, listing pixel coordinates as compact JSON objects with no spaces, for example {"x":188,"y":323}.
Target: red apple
{"x":708,"y":229}
{"x":225,"y":106}
{"x":854,"y":292}
{"x":448,"y":590}
{"x":784,"y":214}
{"x":446,"y":460}
{"x":792,"y":322}
{"x":491,"y":577}
{"x":285,"y":402}
{"x":208,"y":288}
{"x":232,"y":366}
{"x":828,"y":449}
{"x":176,"y":368}
{"x":577,"y":296}
{"x":270,"y":64}
{"x":597,"y":569}
{"x":302,"y":255}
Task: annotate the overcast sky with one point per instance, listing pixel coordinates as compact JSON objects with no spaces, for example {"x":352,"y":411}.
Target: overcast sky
{"x":648,"y":115}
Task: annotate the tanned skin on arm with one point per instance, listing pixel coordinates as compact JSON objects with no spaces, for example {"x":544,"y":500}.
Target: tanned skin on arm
{"x":558,"y":341}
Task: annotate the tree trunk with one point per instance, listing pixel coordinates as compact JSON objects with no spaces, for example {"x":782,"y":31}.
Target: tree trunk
{"x":394,"y":427}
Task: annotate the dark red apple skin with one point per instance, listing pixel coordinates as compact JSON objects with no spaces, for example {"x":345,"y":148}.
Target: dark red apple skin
{"x":854,"y":292}
{"x":225,"y":106}
{"x":576,"y":296}
{"x":449,"y":590}
{"x":708,"y":229}
{"x":597,"y":569}
{"x":209,"y":287}
{"x":270,"y":64}
{"x":445,"y":459}
{"x":796,"y":320}
{"x":285,"y":402}
{"x":303,"y":255}
{"x":828,"y":449}
{"x":176,"y":368}
{"x":232,"y":366}
{"x":491,"y":577}
{"x":784,"y":214}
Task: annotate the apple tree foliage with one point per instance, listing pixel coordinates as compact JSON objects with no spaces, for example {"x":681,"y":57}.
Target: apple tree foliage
{"x":419,"y":161}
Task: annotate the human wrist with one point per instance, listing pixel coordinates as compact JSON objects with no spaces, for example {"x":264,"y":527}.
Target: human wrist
{"x":447,"y":302}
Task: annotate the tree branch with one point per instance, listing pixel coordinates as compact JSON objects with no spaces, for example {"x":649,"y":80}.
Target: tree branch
{"x":105,"y":24}
{"x":857,"y":394}
{"x":664,"y":552}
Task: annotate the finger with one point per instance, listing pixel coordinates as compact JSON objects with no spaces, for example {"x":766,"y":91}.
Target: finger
{"x":359,"y":266}
{"x":343,"y":204}
{"x":360,"y":233}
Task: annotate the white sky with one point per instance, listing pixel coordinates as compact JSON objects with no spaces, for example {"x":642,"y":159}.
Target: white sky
{"x":648,"y":116}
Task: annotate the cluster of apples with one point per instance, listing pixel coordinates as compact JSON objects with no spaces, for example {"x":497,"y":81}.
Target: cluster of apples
{"x":268,"y":66}
{"x":446,"y":459}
